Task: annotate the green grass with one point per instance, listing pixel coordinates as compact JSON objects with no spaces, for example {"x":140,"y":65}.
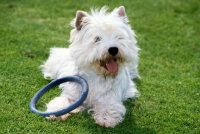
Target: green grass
{"x":168,"y":32}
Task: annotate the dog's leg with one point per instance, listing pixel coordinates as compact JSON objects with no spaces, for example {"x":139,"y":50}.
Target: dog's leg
{"x":70,"y":92}
{"x":131,"y":92}
{"x":59,"y":103}
{"x":109,"y":113}
{"x":56,"y":104}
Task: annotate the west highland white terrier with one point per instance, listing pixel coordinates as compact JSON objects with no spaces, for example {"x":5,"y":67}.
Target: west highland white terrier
{"x":103,"y":51}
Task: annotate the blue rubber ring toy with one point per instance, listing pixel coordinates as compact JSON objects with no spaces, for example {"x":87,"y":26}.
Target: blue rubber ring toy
{"x":54,"y":83}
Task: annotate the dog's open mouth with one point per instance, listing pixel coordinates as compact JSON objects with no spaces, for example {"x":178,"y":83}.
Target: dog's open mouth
{"x":110,"y":65}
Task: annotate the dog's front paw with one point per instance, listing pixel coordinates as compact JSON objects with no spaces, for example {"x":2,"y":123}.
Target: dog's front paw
{"x":57,"y":104}
{"x":53,"y":117}
{"x":110,"y":117}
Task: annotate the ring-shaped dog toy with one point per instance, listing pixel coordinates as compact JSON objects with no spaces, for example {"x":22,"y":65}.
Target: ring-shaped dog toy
{"x":54,"y":83}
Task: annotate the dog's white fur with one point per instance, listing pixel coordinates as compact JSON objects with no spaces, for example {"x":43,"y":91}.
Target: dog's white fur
{"x":87,"y":56}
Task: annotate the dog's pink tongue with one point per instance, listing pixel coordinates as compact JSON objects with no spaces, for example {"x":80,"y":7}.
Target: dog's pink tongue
{"x":112,"y":66}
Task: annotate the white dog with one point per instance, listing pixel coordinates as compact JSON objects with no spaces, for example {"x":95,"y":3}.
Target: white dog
{"x":103,"y":51}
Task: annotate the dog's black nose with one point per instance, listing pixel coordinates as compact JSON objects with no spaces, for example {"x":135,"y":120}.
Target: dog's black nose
{"x":113,"y":50}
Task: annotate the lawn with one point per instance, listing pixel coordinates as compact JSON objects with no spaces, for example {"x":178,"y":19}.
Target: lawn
{"x":168,"y":33}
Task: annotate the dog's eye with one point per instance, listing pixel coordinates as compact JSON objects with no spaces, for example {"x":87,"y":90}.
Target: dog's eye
{"x":97,"y":39}
{"x":120,"y":37}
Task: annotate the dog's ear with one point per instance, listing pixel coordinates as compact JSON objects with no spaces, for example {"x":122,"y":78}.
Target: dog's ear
{"x":120,"y":11}
{"x":79,"y":17}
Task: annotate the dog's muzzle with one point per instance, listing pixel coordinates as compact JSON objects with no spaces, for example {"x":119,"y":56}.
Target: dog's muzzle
{"x":110,"y":63}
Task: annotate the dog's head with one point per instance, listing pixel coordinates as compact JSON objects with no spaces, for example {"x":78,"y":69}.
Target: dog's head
{"x":103,"y":42}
